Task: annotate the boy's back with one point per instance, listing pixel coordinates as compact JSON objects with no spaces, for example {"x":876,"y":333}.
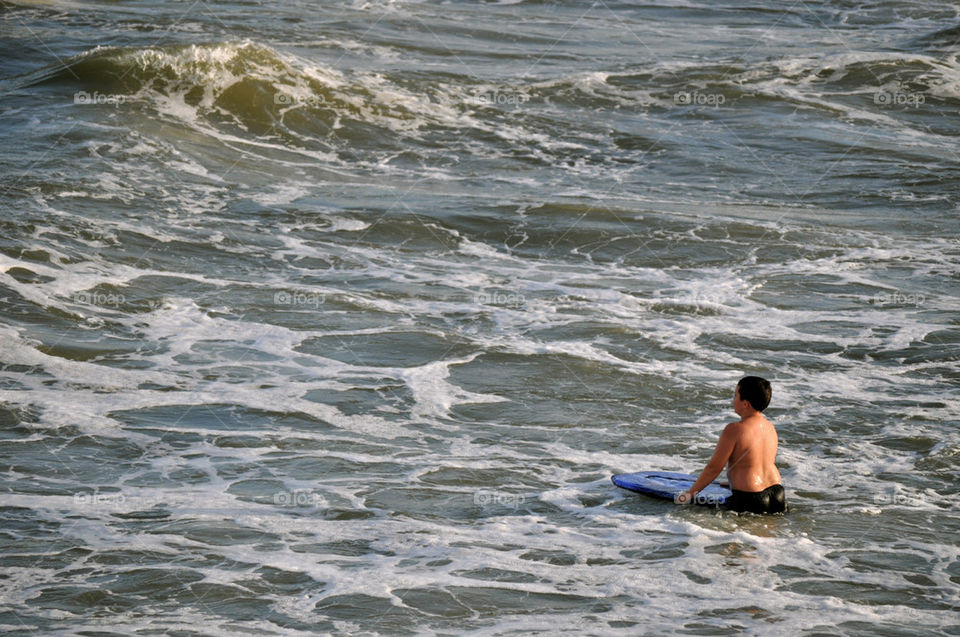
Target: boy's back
{"x":748,"y":449}
{"x":752,"y":465}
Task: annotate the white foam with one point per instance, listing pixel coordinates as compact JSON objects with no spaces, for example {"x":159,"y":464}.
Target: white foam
{"x":434,"y":395}
{"x":280,"y":194}
{"x":341,"y":224}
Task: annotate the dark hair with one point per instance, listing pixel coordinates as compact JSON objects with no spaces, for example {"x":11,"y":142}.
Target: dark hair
{"x":756,"y":391}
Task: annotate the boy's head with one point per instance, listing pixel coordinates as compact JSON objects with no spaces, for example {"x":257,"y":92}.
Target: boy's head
{"x":756,"y":391}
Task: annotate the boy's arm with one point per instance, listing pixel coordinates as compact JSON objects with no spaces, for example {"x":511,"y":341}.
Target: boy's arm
{"x":721,"y":454}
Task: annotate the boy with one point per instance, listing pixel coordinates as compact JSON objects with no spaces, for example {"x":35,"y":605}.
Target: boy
{"x":749,"y":450}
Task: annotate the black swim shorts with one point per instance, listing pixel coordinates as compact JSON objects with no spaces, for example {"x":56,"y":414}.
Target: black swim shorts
{"x":770,"y":500}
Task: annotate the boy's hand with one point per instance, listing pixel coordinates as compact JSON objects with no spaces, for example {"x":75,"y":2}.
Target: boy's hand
{"x":684,"y":497}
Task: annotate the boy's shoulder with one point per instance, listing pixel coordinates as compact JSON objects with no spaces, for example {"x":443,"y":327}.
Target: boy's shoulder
{"x":756,"y":425}
{"x":735,"y":429}
{"x":747,"y":425}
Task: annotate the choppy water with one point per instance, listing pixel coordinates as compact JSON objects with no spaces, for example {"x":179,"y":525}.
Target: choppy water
{"x":337,"y":318}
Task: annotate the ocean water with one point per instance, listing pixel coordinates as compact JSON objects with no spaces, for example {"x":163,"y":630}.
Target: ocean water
{"x":336,"y":318}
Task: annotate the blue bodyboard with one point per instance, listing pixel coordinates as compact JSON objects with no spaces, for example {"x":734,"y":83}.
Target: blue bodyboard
{"x":666,"y":484}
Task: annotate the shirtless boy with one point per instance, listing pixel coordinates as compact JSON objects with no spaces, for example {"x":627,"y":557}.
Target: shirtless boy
{"x":749,"y":450}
